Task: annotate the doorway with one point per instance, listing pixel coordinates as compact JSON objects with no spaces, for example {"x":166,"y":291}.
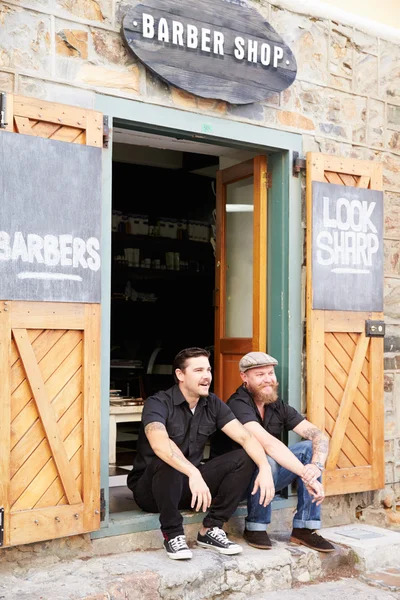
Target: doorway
{"x":163,"y":290}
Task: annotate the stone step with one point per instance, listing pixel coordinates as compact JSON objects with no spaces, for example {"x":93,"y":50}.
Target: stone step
{"x":151,"y":575}
{"x":376,"y":548}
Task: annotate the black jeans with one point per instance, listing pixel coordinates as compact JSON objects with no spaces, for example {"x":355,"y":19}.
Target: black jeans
{"x":163,"y":489}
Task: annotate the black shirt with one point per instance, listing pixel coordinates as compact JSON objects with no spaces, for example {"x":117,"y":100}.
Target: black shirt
{"x":278,"y":417}
{"x":189,"y":431}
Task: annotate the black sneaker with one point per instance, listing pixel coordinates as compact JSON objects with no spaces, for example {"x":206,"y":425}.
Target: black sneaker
{"x":216,"y":538}
{"x":311,"y":539}
{"x":177,"y":548}
{"x":257,"y":539}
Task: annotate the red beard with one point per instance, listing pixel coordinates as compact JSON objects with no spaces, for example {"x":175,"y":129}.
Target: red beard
{"x":261,"y":397}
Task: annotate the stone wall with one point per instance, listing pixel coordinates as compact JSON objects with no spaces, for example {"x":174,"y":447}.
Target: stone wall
{"x":345,"y":101}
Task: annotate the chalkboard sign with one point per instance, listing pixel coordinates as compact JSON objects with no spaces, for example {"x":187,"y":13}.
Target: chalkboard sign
{"x":50,"y":216}
{"x":221,"y":49}
{"x":347,"y":248}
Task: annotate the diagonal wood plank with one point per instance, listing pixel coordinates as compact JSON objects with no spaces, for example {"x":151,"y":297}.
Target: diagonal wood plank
{"x":66,"y":134}
{"x":347,"y":343}
{"x":44,"y":129}
{"x":356,"y":416}
{"x":73,"y":447}
{"x":46,"y":413}
{"x":23,"y":125}
{"x":364,"y":181}
{"x":347,"y":401}
{"x":345,"y":361}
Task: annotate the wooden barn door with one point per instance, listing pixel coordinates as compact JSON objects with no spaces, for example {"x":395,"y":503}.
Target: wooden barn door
{"x":241,"y":269}
{"x":50,"y":380}
{"x":344,"y":366}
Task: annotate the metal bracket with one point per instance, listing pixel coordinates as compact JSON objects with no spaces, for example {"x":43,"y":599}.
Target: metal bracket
{"x":3,"y":105}
{"x":298,"y":164}
{"x":375,"y":328}
{"x":106,"y":131}
{"x":1,"y":527}
{"x":102,"y":505}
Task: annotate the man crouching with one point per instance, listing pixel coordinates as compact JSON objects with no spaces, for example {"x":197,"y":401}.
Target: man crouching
{"x":168,"y":472}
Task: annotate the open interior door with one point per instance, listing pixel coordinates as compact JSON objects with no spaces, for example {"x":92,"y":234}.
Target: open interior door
{"x":241,"y":269}
{"x":49,"y":321}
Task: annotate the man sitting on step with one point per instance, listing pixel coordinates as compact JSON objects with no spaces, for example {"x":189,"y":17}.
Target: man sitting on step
{"x":168,"y":473}
{"x":256,"y":405}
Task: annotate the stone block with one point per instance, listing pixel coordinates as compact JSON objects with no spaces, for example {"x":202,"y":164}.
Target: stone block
{"x":393,"y":117}
{"x":391,"y":171}
{"x":391,"y":249}
{"x":389,"y":450}
{"x":340,"y":83}
{"x":376,"y":123}
{"x":126,"y":81}
{"x":388,"y":382}
{"x":251,"y":112}
{"x":295,"y":120}
{"x":390,"y":424}
{"x":389,"y":71}
{"x":6,"y":81}
{"x":364,"y":42}
{"x":55,"y":92}
{"x":366,"y":74}
{"x":72,"y":43}
{"x":109,"y":49}
{"x":392,"y":299}
{"x":389,"y":473}
{"x":341,"y":50}
{"x":308,"y":39}
{"x":393,"y":140}
{"x":392,"y":215}
{"x":92,"y":10}
{"x":25,"y":42}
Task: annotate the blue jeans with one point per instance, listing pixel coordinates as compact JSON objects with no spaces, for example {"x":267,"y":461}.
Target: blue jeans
{"x":307,"y":516}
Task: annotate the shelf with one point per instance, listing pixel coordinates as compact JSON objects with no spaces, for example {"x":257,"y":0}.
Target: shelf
{"x":136,"y":273}
{"x":140,"y":240}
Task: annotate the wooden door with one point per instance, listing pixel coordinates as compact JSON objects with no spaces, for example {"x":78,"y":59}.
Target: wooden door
{"x":241,"y":269}
{"x":344,"y":366}
{"x":50,"y":380}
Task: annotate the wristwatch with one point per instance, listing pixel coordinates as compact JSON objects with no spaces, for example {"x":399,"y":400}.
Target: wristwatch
{"x":319,"y":465}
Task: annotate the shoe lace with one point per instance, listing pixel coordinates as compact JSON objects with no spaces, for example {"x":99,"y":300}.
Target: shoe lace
{"x":178,"y":543}
{"x":219,"y":535}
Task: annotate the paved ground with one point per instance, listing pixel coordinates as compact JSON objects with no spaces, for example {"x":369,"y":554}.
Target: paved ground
{"x":346,"y":589}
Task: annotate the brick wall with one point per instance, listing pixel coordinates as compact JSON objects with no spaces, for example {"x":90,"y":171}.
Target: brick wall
{"x":345,"y":101}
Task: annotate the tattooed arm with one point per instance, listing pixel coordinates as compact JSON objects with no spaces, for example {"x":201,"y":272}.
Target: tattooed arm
{"x":169,"y":452}
{"x":320,"y":441}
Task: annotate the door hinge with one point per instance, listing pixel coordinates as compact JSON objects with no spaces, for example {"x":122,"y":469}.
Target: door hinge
{"x":3,"y":106}
{"x":298,"y":164}
{"x":267,"y":179}
{"x":1,"y":527}
{"x":106,"y":131}
{"x":102,"y":505}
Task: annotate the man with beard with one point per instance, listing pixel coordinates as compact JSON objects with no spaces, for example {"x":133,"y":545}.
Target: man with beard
{"x":169,"y":473}
{"x":256,"y":405}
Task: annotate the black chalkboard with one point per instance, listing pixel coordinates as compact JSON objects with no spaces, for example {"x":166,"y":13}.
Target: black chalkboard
{"x":221,"y":49}
{"x":50,"y":216}
{"x":347,"y":248}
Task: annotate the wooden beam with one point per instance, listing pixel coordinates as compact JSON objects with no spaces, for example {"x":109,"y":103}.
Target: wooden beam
{"x":260,"y":245}
{"x":5,"y":414}
{"x":347,"y":401}
{"x":91,"y":417}
{"x":377,"y":411}
{"x":46,"y":413}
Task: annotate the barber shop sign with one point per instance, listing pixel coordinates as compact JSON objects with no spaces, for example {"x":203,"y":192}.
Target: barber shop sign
{"x":220,"y":49}
{"x":347,"y":238}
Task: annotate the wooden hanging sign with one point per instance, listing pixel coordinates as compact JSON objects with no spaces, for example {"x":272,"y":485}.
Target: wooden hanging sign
{"x":220,"y":49}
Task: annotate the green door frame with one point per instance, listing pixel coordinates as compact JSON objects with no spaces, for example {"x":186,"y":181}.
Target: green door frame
{"x":285,"y":243}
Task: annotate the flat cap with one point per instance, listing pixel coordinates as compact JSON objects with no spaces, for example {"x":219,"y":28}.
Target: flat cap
{"x":256,"y":359}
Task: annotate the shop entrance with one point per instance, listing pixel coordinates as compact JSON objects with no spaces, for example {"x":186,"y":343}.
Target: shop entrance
{"x":166,"y":252}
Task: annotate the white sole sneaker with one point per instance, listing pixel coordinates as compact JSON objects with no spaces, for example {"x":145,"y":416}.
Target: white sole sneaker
{"x":183,"y":555}
{"x":235,"y":549}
